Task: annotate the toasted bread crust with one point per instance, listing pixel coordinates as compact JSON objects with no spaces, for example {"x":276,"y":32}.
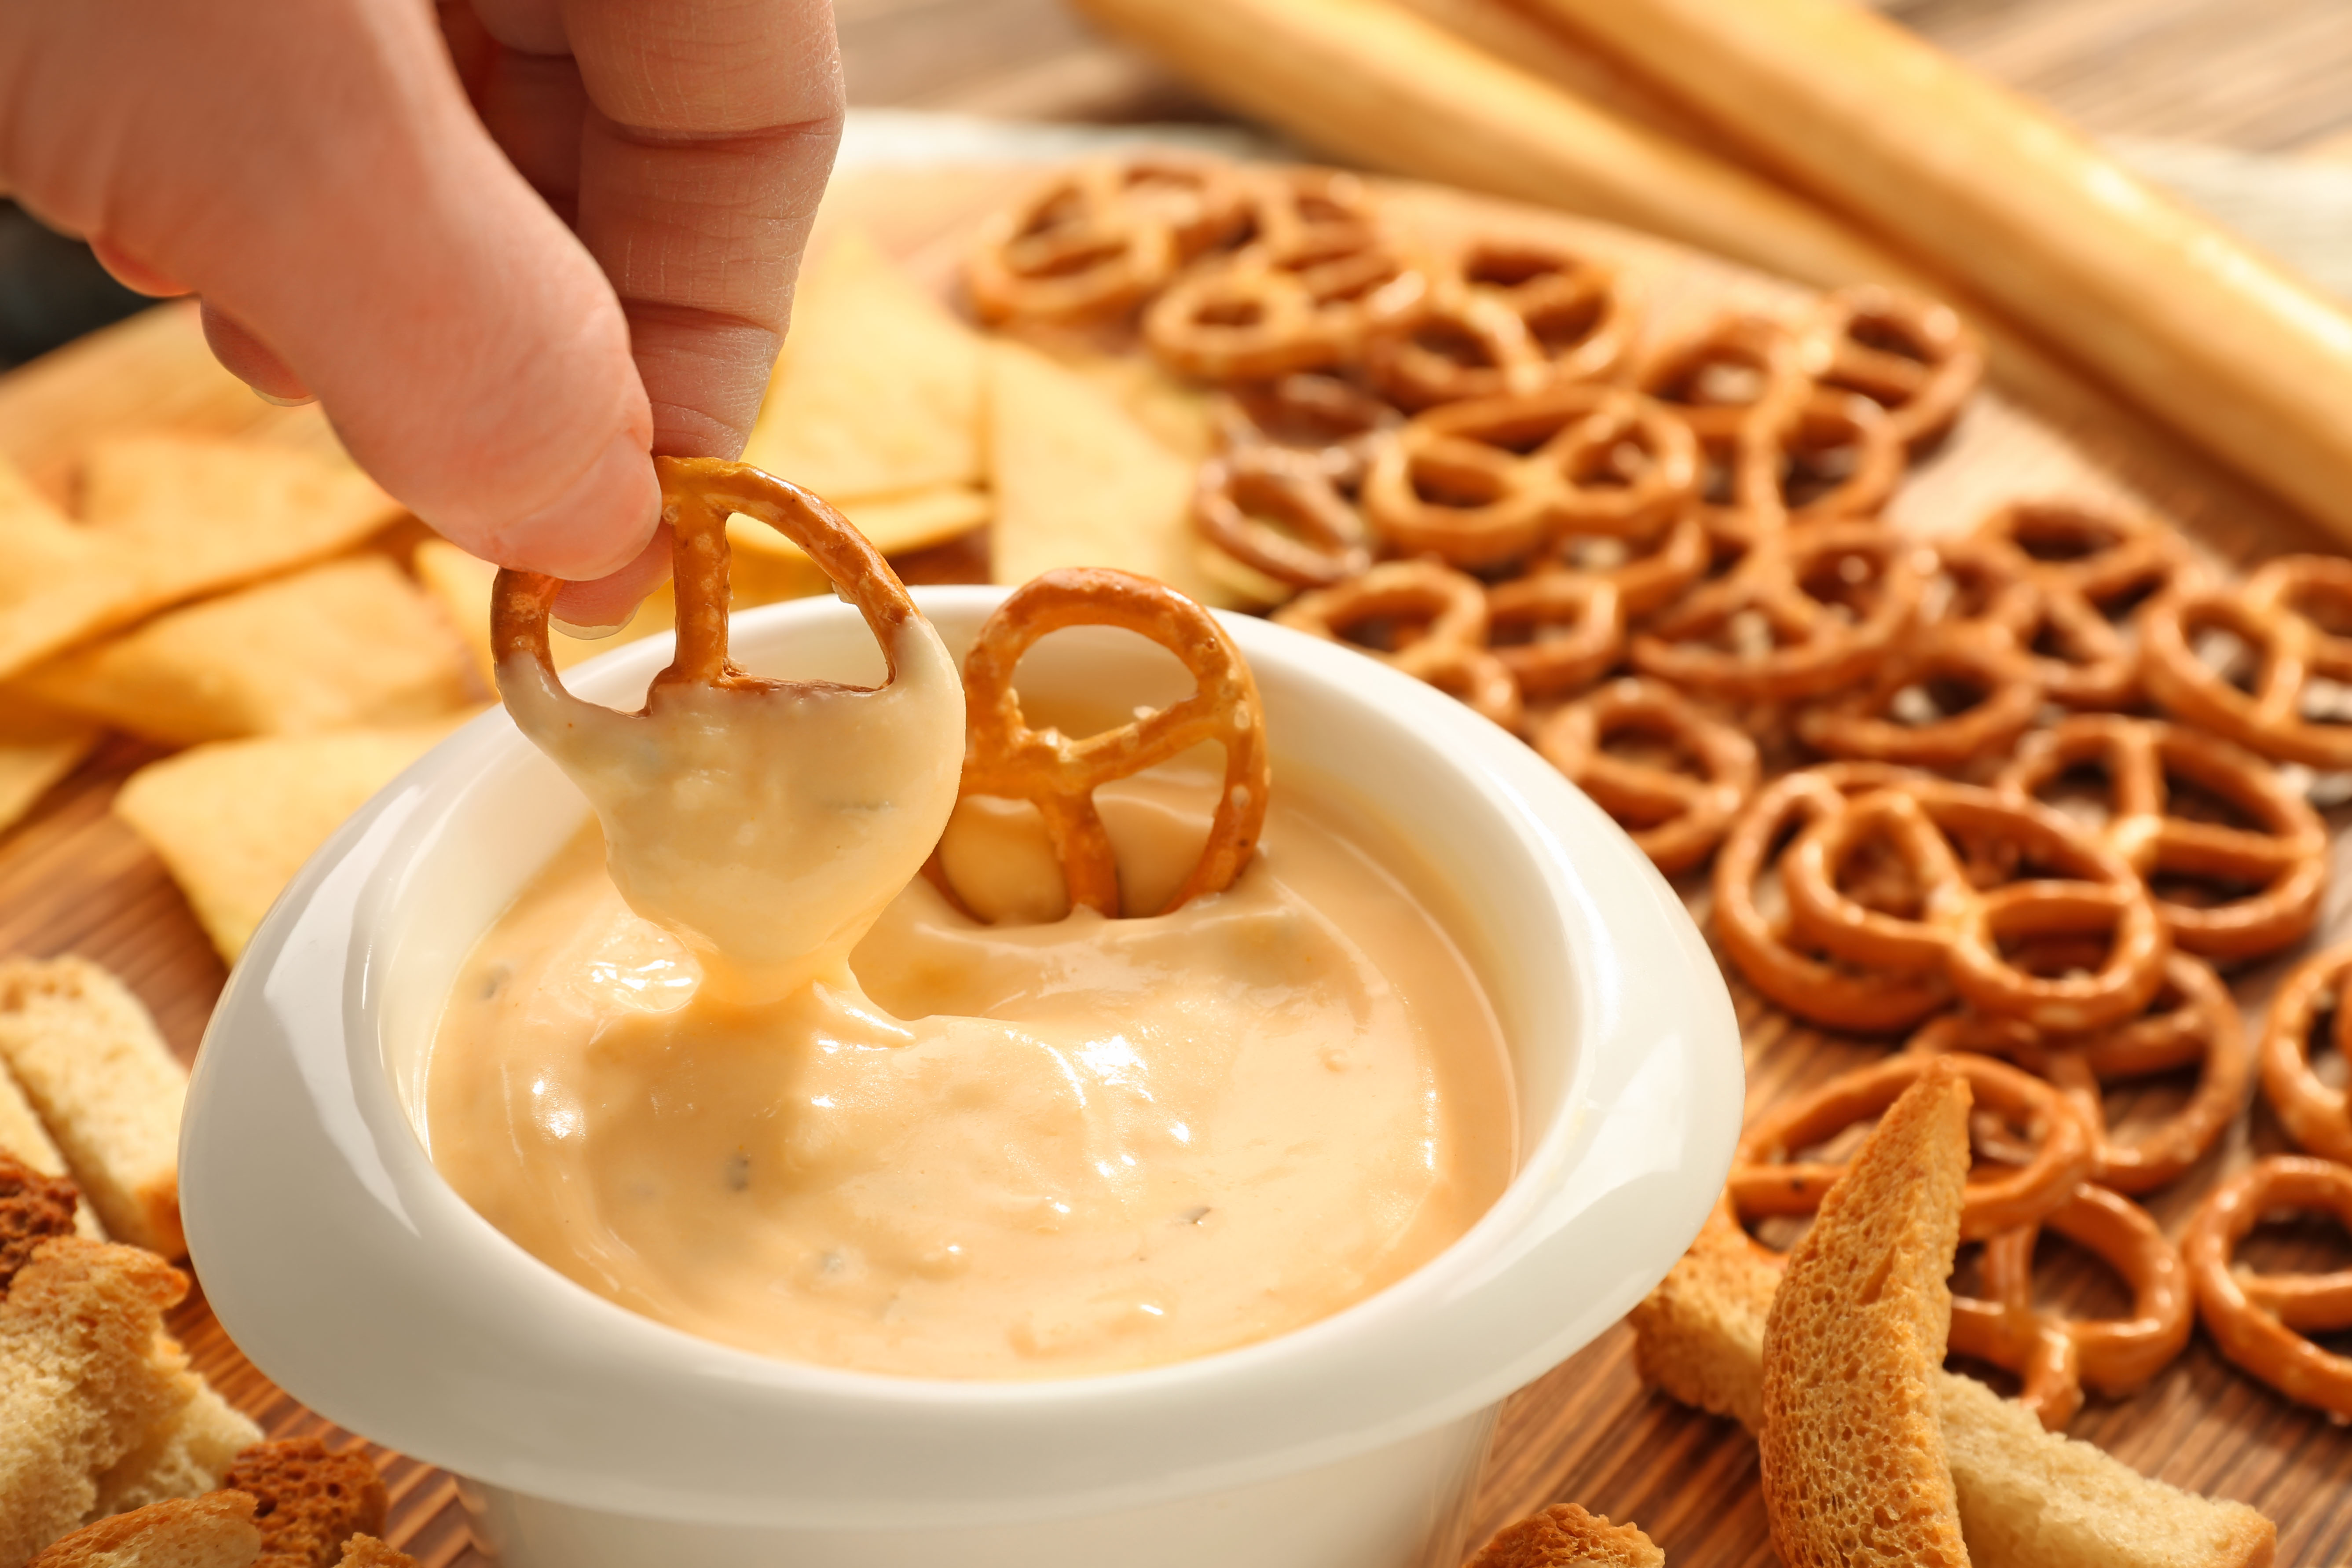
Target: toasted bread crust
{"x":310,"y":1501}
{"x":1565,"y":1536}
{"x":1699,"y":1335}
{"x":1853,"y":1468}
{"x":34,"y":1208}
{"x":367,"y":1551}
{"x":215,"y":1531}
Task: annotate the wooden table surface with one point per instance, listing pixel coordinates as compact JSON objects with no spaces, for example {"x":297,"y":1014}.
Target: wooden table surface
{"x":2267,"y":75}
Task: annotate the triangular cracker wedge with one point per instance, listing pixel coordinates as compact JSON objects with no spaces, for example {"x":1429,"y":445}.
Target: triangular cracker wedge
{"x":350,"y":643}
{"x":198,"y":515}
{"x":769,"y":567}
{"x":1852,"y":1442}
{"x":235,"y":821}
{"x":1080,"y":483}
{"x":461,"y":583}
{"x":877,"y":390}
{"x":58,"y":582}
{"x":38,"y":746}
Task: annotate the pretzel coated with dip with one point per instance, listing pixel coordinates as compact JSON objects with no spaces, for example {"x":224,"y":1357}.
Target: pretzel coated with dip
{"x":1005,"y":757}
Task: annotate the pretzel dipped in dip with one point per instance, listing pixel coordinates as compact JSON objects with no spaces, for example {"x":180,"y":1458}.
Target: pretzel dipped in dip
{"x":1055,"y":1107}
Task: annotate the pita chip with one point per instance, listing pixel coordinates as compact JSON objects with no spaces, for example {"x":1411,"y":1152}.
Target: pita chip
{"x":59,"y":583}
{"x":235,"y":820}
{"x":1080,"y":482}
{"x":350,"y":643}
{"x":38,"y":746}
{"x":877,"y":390}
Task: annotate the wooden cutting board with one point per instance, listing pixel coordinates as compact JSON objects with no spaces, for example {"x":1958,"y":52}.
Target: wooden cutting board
{"x":72,"y":878}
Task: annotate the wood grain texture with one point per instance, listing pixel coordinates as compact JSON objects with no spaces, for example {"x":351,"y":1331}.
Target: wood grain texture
{"x":73,"y":879}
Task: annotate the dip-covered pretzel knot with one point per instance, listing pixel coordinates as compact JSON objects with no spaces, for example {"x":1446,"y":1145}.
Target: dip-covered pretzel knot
{"x":1100,"y":238}
{"x":698,"y":495}
{"x":2092,"y":568}
{"x":1959,"y":926}
{"x":2277,"y":614}
{"x":2055,"y":1355}
{"x":1767,"y":1179}
{"x":1677,"y":814}
{"x":1434,"y":621}
{"x":2193,"y":1020}
{"x":1974,"y":655}
{"x":1004,"y":757}
{"x":1912,"y":355}
{"x":2281,"y":860}
{"x":2260,"y":1320}
{"x":1504,"y":315}
{"x":1317,"y":273}
{"x":2316,"y":1115}
{"x":1480,"y":483}
{"x":1798,"y":974}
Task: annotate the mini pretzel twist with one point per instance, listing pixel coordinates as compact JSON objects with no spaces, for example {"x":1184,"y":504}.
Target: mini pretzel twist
{"x":2316,"y":1115}
{"x":1555,"y":631}
{"x":1339,"y":426}
{"x":1804,"y":611}
{"x":1318,"y":273}
{"x":2260,"y":1320}
{"x":698,"y":495}
{"x":1974,"y":655}
{"x":1099,"y":238}
{"x":2272,"y":614}
{"x":1648,"y":575}
{"x":1504,"y":317}
{"x":2282,"y":859}
{"x":1766,"y":1179}
{"x":2192,"y":1019}
{"x":1477,"y":484}
{"x":1676,"y":819}
{"x":2091,"y":567}
{"x":1434,"y":622}
{"x":1005,"y":758}
{"x":1781,"y":963}
{"x":1280,"y":510}
{"x":2056,"y":1356}
{"x":1959,"y":926}
{"x":1913,"y":356}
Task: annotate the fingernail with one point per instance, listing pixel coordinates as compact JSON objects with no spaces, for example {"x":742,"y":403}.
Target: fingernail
{"x":272,"y":398}
{"x":619,"y":490}
{"x":592,"y":634}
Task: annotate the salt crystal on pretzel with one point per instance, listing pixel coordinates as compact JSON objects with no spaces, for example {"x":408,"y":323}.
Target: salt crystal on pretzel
{"x":765,"y":822}
{"x":1005,"y":757}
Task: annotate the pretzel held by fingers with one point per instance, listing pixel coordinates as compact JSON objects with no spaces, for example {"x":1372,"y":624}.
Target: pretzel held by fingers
{"x":2283,"y":858}
{"x":2316,"y":1115}
{"x":1006,"y":758}
{"x":1800,"y":975}
{"x":2261,"y":1321}
{"x":2273,"y":615}
{"x":1676,"y":819}
{"x":1438,"y":619}
{"x":1766,"y":1178}
{"x":1959,"y":926}
{"x":2055,"y":1355}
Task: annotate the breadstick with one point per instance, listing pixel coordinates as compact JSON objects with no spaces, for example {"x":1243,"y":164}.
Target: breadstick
{"x":2230,"y":349}
{"x":1374,"y":82}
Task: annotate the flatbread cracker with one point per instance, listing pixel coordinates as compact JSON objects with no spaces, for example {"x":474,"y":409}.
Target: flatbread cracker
{"x":57,"y":583}
{"x":235,"y":820}
{"x":1079,"y":482}
{"x":460,"y":583}
{"x":769,"y":567}
{"x":38,"y":746}
{"x":198,"y":515}
{"x":347,"y":644}
{"x":877,"y":389}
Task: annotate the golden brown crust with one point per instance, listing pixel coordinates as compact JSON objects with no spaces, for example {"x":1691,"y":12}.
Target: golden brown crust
{"x":1853,"y":1446}
{"x":1699,"y":1335}
{"x":215,"y":1531}
{"x":1565,"y":1536}
{"x":367,"y":1551}
{"x":34,"y":1207}
{"x":309,"y":1502}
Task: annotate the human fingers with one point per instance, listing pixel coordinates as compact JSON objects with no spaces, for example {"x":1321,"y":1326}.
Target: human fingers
{"x":311,"y":169}
{"x":606,"y":601}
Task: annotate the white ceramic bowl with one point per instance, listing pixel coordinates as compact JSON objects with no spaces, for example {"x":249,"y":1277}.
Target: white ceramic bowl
{"x":352,"y":1275}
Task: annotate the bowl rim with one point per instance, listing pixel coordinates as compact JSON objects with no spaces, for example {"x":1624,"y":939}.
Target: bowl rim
{"x":322,"y":1228}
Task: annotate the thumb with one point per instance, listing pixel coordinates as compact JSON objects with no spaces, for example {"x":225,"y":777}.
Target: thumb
{"x":311,"y":168}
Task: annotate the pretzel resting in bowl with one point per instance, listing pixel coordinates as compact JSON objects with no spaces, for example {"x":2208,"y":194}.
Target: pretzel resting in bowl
{"x":1007,"y":758}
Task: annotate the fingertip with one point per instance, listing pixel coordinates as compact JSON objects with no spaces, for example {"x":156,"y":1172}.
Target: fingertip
{"x":251,"y":360}
{"x":610,"y":600}
{"x":138,"y":275}
{"x":599,"y":526}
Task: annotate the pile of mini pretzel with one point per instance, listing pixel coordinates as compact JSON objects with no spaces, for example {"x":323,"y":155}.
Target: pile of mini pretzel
{"x":1666,"y":569}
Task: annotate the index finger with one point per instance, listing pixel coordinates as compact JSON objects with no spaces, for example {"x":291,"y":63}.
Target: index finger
{"x":713,"y":129}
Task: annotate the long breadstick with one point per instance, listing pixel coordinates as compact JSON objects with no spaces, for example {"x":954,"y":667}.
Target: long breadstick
{"x":1370,"y":82}
{"x":2225,"y":346}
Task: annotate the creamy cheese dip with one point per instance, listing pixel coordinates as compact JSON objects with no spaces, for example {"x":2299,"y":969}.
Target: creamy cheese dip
{"x":947,"y":1149}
